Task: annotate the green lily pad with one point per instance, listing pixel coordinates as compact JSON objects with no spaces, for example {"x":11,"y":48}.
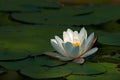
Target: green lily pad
{"x":72,"y":11}
{"x":6,"y":56}
{"x":46,"y":61}
{"x":38,"y":72}
{"x":76,"y":77}
{"x":78,"y":20}
{"x":110,"y":11}
{"x":111,"y":27}
{"x":60,"y":17}
{"x":46,"y":4}
{"x":34,"y":18}
{"x":111,"y":74}
{"x":42,"y":60}
{"x":27,"y":5}
{"x":81,"y":2}
{"x":43,"y":17}
{"x":109,"y":38}
{"x":16,"y":5}
{"x":5,"y":21}
{"x":86,"y":69}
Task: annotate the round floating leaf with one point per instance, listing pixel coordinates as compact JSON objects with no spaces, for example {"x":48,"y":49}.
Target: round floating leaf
{"x":111,"y":27}
{"x":47,"y":4}
{"x":76,"y":77}
{"x":27,"y":5}
{"x":62,"y":17}
{"x":111,"y":74}
{"x":78,"y":20}
{"x":45,"y":60}
{"x":42,"y":17}
{"x":72,"y":11}
{"x":86,"y":69}
{"x":110,"y":11}
{"x":31,"y":18}
{"x":38,"y":72}
{"x":83,"y":2}
{"x":42,"y":60}
{"x":6,"y":56}
{"x":109,"y":38}
{"x":5,"y":21}
{"x":16,"y":5}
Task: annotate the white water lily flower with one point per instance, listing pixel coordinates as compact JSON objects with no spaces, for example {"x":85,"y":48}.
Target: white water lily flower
{"x":74,"y":46}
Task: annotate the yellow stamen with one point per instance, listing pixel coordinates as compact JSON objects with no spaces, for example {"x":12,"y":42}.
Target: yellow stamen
{"x":76,"y":44}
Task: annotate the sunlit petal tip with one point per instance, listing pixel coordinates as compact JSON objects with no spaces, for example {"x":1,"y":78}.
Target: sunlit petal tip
{"x":52,"y":40}
{"x":79,"y":60}
{"x":56,"y":36}
{"x":69,"y":29}
{"x":64,"y":32}
{"x":83,"y":29}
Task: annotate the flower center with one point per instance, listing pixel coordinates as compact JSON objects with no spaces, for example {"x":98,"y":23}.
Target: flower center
{"x":76,"y":44}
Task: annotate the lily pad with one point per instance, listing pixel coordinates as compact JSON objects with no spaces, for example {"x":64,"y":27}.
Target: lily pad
{"x":37,"y":72}
{"x":16,"y":5}
{"x":27,"y":5}
{"x":5,"y":21}
{"x":8,"y":56}
{"x":73,"y":11}
{"x":78,"y":20}
{"x":86,"y":69}
{"x":43,"y":17}
{"x":61,"y":17}
{"x":76,"y":77}
{"x":111,"y":27}
{"x":111,"y":74}
{"x":109,"y":38}
{"x":110,"y":11}
{"x":34,"y":18}
{"x":42,"y":60}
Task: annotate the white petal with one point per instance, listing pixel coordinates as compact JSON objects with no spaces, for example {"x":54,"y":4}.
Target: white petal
{"x":70,"y":33}
{"x":55,"y":46}
{"x":59,"y":42}
{"x":89,"y":41}
{"x":81,"y":48}
{"x":90,"y":52}
{"x":66,"y":37}
{"x":83,"y":34}
{"x":56,"y":55}
{"x":76,"y":37}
